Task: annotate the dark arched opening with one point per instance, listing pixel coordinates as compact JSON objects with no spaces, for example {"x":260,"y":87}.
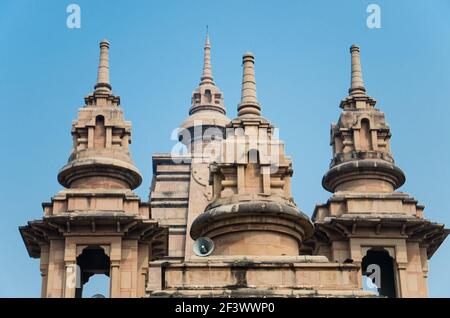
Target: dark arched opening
{"x":99,"y":132}
{"x":365,"y":135}
{"x":253,"y":176}
{"x":253,"y":156}
{"x":93,"y":261}
{"x":208,"y":96}
{"x":378,"y":265}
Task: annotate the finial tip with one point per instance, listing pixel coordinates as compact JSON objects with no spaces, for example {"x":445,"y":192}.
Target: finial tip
{"x":104,"y":42}
{"x":103,"y":86}
{"x":249,"y":105}
{"x":354,"y":47}
{"x":357,"y":83}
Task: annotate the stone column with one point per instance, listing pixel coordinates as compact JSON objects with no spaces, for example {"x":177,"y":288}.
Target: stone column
{"x":142,"y":268}
{"x":90,"y":137}
{"x":55,"y":281}
{"x":114,"y":291}
{"x":155,"y":279}
{"x":71,"y":279}
{"x":402,"y":278}
{"x":45,"y":250}
{"x":109,"y":137}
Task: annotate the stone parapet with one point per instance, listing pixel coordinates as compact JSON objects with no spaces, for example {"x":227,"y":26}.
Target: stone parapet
{"x":298,"y":276}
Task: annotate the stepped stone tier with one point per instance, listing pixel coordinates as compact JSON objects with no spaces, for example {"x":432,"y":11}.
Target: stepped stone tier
{"x":232,"y":186}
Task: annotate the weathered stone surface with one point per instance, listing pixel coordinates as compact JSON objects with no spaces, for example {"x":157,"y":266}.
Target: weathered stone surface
{"x":229,"y":188}
{"x":365,"y":214}
{"x":98,"y":210}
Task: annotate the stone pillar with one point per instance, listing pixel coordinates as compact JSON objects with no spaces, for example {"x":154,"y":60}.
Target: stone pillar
{"x":90,"y":137}
{"x":114,"y":291}
{"x":155,"y":272}
{"x":143,"y":260}
{"x":108,"y":137}
{"x":402,"y":278}
{"x":129,"y":268}
{"x":72,"y":279}
{"x":56,"y":267}
{"x":72,"y":276}
{"x":45,"y":250}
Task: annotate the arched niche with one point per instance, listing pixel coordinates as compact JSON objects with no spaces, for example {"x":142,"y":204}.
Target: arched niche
{"x":208,"y":96}
{"x":378,"y":264}
{"x":365,"y":135}
{"x":99,"y":132}
{"x":92,"y":260}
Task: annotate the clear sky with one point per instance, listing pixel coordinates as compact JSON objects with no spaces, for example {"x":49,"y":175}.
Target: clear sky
{"x":302,"y":72}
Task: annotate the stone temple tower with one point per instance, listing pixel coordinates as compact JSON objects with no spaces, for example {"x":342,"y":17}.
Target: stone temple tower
{"x":207,"y":119}
{"x":180,"y":189}
{"x":252,"y":203}
{"x":96,"y":225}
{"x":242,"y":202}
{"x":366,"y":221}
{"x":221,"y":220}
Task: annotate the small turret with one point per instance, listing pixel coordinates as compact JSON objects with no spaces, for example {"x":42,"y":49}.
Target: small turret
{"x":207,"y":115}
{"x":362,"y":158}
{"x":100,"y":157}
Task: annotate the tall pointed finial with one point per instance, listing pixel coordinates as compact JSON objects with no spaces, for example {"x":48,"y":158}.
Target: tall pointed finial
{"x":207,"y":77}
{"x":357,"y":84}
{"x":103,"y":86}
{"x":249,"y":104}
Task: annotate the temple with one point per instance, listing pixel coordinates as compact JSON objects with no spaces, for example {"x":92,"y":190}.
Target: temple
{"x":221,"y":220}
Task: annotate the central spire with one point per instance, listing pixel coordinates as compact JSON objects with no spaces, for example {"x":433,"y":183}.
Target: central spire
{"x":249,"y":104}
{"x":357,"y":83}
{"x":207,"y":77}
{"x":207,"y":105}
{"x":103,"y":85}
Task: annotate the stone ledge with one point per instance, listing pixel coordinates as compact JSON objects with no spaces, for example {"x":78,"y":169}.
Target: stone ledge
{"x":261,"y":292}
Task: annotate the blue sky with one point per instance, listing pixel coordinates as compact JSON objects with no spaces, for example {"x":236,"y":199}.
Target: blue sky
{"x":302,"y":70}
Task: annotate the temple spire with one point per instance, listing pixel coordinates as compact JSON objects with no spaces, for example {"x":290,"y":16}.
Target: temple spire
{"x":103,"y":85}
{"x":249,"y":104}
{"x":357,"y":83}
{"x":207,"y":106}
{"x":207,"y":77}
